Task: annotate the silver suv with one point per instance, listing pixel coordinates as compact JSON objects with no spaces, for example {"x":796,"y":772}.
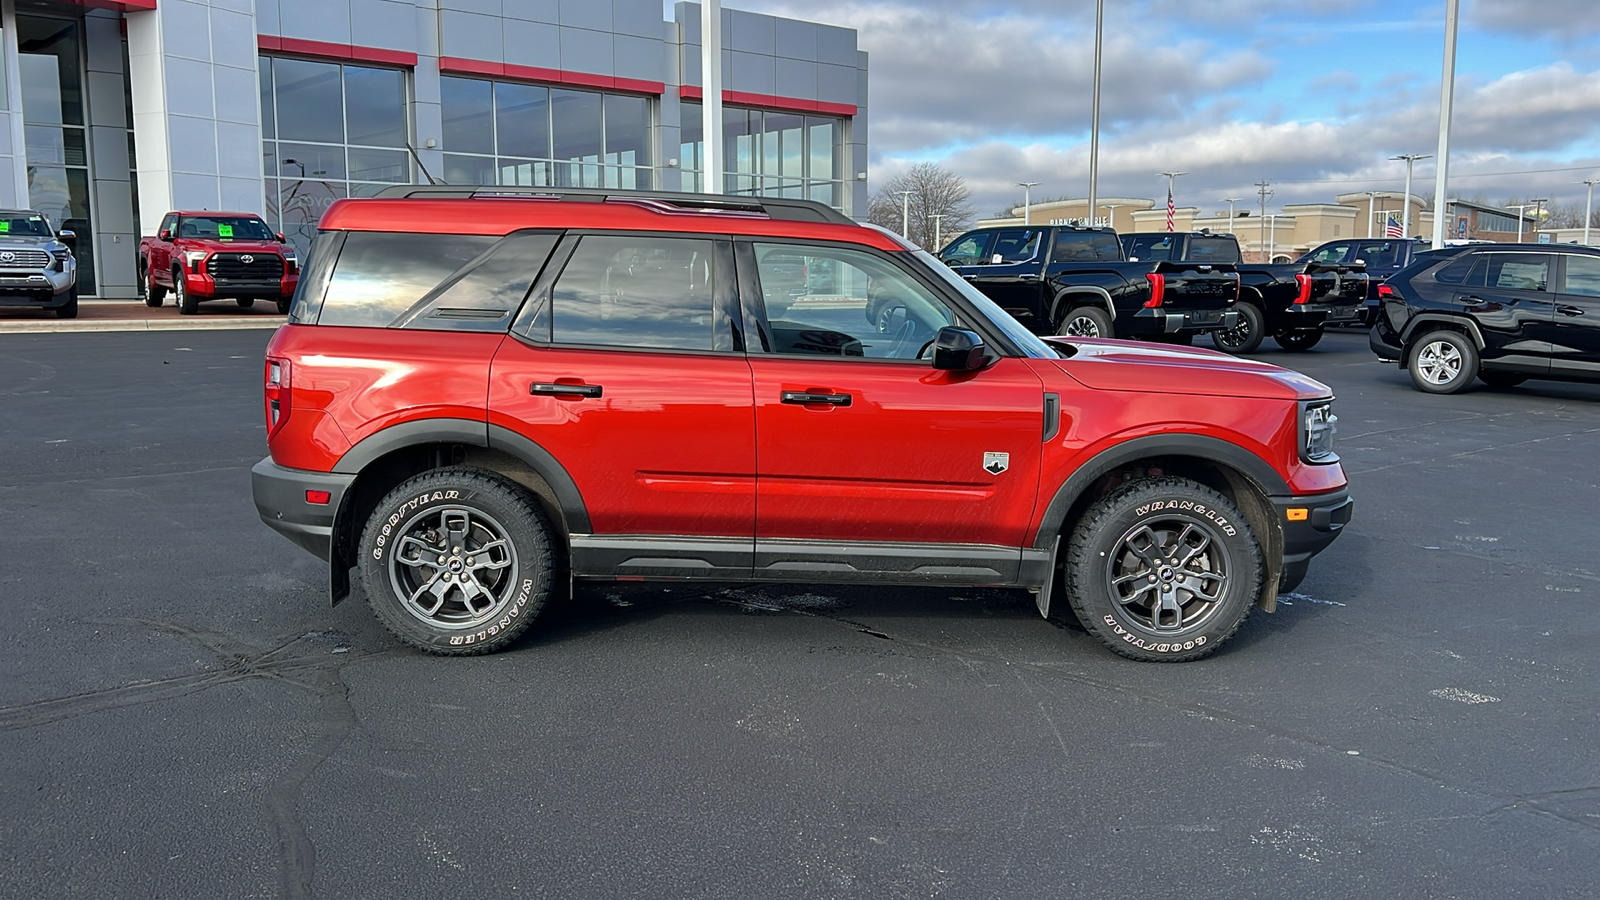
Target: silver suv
{"x":36,"y":265}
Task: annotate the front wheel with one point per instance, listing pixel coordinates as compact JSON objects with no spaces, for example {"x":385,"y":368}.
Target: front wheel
{"x":457,"y":561}
{"x":1086,"y":321}
{"x":1163,"y":570}
{"x":1443,"y":362}
{"x":245,"y":302}
{"x":69,"y":310}
{"x":1298,"y":340}
{"x":1244,"y":337}
{"x":283,"y":305}
{"x":188,"y":304}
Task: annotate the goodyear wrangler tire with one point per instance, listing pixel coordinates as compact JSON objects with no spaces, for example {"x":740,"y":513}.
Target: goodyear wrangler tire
{"x":457,"y":561}
{"x":1163,"y":570}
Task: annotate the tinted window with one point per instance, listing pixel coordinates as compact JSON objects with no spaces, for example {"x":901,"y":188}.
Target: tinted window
{"x":170,"y":222}
{"x":1456,"y":272}
{"x":1328,"y":253}
{"x":1511,"y":271}
{"x":1583,"y":275}
{"x":483,"y":296}
{"x":876,"y":310}
{"x":381,"y":275}
{"x":1379,"y":254}
{"x":1077,"y":246}
{"x":1149,"y":247}
{"x":314,"y":270}
{"x":31,"y":225}
{"x":636,"y":292}
{"x":972,"y":247}
{"x":1213,"y":249}
{"x":225,"y":228}
{"x":1016,"y":245}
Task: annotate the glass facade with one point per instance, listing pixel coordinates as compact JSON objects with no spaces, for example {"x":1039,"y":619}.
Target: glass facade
{"x":328,"y":131}
{"x":518,"y":134}
{"x":50,"y":57}
{"x":766,"y":153}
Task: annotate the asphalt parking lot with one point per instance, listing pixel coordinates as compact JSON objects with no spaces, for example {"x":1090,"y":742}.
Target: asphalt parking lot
{"x":182,"y":714}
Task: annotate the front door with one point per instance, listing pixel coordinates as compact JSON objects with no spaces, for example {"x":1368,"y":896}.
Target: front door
{"x":870,"y":460}
{"x":1013,"y":276}
{"x":1577,"y":319}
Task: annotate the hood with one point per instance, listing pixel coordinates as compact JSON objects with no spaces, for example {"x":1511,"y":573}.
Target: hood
{"x":229,"y":246}
{"x":28,"y":240}
{"x":1109,"y":365}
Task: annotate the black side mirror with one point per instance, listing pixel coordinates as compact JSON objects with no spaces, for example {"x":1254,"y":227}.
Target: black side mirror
{"x":280,"y":238}
{"x":958,"y":350}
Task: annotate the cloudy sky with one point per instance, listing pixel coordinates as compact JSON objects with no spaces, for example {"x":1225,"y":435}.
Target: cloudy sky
{"x":1312,"y":95}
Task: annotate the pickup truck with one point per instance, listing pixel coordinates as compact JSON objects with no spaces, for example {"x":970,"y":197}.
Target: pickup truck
{"x":1383,"y":257}
{"x":37,"y":269}
{"x":1290,"y":301}
{"x":215,"y":255}
{"x":1074,"y":280}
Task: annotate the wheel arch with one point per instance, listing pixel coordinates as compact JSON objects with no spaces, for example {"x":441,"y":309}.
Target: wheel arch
{"x":1068,"y":298}
{"x":1417,"y":326}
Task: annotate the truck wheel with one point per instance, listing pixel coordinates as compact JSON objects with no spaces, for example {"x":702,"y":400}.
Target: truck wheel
{"x":1443,"y":362}
{"x":154,"y":294}
{"x":1162,"y":570}
{"x":69,"y":310}
{"x":245,"y":302}
{"x":1497,"y":379}
{"x":1298,"y":340}
{"x":1244,"y":337}
{"x":186,"y":302}
{"x":1086,"y":321}
{"x":457,"y":561}
{"x":283,"y":305}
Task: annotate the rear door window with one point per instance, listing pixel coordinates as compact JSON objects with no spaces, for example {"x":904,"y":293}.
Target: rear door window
{"x":1091,"y":246}
{"x":381,"y":275}
{"x":1583,"y":275}
{"x":1379,"y":254}
{"x":637,"y":292}
{"x":969,"y":249}
{"x":1150,"y":247}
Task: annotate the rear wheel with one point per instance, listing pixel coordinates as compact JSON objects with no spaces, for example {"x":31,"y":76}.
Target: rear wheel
{"x":1298,"y":340}
{"x":1498,"y":379}
{"x":245,"y":302}
{"x":69,"y":310}
{"x":283,"y":305}
{"x":1244,"y":337}
{"x":1162,"y":570}
{"x":1086,"y":321}
{"x":187,"y":303}
{"x":457,"y":561}
{"x":1443,"y":362}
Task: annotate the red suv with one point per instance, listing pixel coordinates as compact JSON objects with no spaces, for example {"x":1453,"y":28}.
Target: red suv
{"x":482,"y":393}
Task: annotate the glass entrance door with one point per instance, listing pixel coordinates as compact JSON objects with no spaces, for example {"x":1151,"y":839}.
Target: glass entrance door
{"x":51,"y":59}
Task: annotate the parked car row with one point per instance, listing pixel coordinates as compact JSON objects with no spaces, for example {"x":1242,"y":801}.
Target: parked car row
{"x":37,"y":268}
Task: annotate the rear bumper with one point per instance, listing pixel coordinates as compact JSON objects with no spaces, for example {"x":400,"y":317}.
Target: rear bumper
{"x":280,"y":496}
{"x":1384,"y":342}
{"x":1162,"y":320}
{"x":1311,"y":522}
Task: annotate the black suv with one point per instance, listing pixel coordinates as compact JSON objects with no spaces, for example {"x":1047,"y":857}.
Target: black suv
{"x":1502,"y":313}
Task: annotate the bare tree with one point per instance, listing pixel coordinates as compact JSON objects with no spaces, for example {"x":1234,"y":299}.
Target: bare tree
{"x":935,"y":191}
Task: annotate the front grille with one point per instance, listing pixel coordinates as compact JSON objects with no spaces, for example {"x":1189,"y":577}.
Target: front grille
{"x":24,"y":259}
{"x":232,"y":268}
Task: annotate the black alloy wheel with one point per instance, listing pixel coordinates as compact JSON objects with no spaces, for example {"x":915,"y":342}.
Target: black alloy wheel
{"x":1298,"y":341}
{"x":1244,"y":337}
{"x":245,"y":302}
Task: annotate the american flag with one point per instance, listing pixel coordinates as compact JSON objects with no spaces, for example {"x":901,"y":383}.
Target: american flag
{"x":1169,"y":206}
{"x":1393,"y":231}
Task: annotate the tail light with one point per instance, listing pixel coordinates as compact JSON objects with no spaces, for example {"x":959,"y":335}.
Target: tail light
{"x":1304,"y":281}
{"x":1158,"y":290}
{"x":278,"y":404}
{"x":1386,"y":292}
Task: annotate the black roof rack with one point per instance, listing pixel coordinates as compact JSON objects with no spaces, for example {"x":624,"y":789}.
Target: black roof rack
{"x":771,"y":207}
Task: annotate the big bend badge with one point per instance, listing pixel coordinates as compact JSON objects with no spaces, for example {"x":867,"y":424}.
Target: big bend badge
{"x":995,"y":463}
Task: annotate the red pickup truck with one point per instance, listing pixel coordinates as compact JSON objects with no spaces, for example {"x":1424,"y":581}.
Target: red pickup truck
{"x":215,"y":255}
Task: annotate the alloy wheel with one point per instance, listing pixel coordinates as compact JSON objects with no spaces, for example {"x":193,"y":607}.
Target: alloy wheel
{"x":1169,"y":575}
{"x":1439,"y":362}
{"x":453,"y":567}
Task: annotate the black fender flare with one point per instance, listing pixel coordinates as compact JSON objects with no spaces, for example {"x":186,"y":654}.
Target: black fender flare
{"x":1069,"y":297}
{"x":1458,"y":322}
{"x":1198,"y":446}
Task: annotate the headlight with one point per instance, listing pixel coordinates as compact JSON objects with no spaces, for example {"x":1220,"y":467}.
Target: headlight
{"x":194,"y":258}
{"x":290,"y":260}
{"x":1317,"y":427}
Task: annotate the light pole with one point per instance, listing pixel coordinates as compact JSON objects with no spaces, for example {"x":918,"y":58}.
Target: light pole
{"x":1588,"y":208}
{"x":1520,"y":207}
{"x":1538,"y":211}
{"x":1447,"y":92}
{"x":1372,"y":209}
{"x":1172,"y":179}
{"x":1027,"y":200}
{"x":711,"y":93}
{"x":1111,"y":216}
{"x":1272,"y":239}
{"x":1405,"y":217}
{"x":905,"y":213}
{"x":938,"y":231}
{"x":1094,"y":118}
{"x":1231,"y":201}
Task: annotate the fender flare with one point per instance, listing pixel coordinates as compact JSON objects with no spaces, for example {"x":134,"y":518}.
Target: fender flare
{"x":1249,"y":465}
{"x":1065,"y":300}
{"x":1466,"y":324}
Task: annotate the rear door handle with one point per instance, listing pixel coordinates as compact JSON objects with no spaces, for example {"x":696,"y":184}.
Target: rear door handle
{"x":568,"y":390}
{"x":807,"y":397}
{"x":1570,"y":310}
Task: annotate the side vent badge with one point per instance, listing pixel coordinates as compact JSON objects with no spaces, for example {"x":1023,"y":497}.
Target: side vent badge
{"x":995,"y":463}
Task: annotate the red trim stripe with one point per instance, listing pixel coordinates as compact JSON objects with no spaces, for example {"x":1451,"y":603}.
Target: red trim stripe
{"x":325,"y":50}
{"x":455,"y":65}
{"x":772,"y":101}
{"x":116,"y":5}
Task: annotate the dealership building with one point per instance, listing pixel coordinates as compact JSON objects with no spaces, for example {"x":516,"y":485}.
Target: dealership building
{"x":112,"y":113}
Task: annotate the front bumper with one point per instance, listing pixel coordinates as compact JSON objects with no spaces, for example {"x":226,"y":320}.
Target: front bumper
{"x":280,"y":496}
{"x":1160,"y":320}
{"x":201,"y":284}
{"x":38,"y":288}
{"x":1311,"y":522}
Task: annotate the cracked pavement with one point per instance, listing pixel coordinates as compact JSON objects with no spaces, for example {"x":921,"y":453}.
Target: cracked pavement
{"x":182,"y":715}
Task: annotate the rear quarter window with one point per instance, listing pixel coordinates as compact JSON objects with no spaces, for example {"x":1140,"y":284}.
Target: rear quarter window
{"x":379,"y":276}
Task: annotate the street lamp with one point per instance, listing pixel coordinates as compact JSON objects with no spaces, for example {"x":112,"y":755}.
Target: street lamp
{"x":1447,"y":91}
{"x":1538,"y":211}
{"x":1405,"y":223}
{"x":1172,"y":178}
{"x":1588,"y":208}
{"x":1520,"y":207}
{"x":1094,"y":119}
{"x":296,"y":162}
{"x":1372,"y":209}
{"x":1231,"y":201}
{"x":1111,"y":216}
{"x":1027,"y":200}
{"x":1272,"y":239}
{"x":905,"y":213}
{"x":938,"y":231}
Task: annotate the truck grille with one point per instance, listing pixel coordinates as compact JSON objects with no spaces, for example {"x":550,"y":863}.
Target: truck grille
{"x":24,"y":259}
{"x":254,"y":269}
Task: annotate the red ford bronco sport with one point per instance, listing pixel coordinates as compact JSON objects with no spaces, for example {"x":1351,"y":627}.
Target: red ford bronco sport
{"x":483,"y":392}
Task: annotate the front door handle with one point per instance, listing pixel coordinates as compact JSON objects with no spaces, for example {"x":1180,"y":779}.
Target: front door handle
{"x":807,"y":397}
{"x":1570,"y":310}
{"x":566,"y":390}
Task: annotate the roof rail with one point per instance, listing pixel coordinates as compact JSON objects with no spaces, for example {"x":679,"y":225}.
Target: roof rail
{"x":772,"y":207}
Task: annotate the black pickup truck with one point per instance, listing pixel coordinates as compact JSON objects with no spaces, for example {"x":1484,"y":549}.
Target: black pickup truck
{"x":1290,"y":301}
{"x":1075,"y":280}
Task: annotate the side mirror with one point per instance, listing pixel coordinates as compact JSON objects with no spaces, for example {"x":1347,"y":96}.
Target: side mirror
{"x":281,"y":238}
{"x":958,"y":350}
{"x":68,"y":237}
{"x":164,"y":234}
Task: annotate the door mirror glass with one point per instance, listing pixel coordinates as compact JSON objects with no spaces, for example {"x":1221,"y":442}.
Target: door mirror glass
{"x":164,"y":234}
{"x":958,"y":350}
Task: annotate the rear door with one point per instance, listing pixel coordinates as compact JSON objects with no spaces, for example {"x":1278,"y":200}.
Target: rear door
{"x":1510,"y":296}
{"x":1577,"y":318}
{"x":628,"y":369}
{"x":869,"y":459}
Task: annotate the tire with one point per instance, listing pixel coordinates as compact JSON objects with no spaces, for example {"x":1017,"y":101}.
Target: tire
{"x":154,"y":294}
{"x":245,"y":302}
{"x":1183,"y":339}
{"x":69,"y":310}
{"x":1298,"y":341}
{"x":1112,"y":576}
{"x":408,"y":533}
{"x":1086,"y":321}
{"x":186,"y":302}
{"x":283,"y":305}
{"x":1497,"y":379}
{"x":1244,"y":337}
{"x":1442,"y":362}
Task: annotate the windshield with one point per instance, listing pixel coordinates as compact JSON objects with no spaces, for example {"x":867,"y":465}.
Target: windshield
{"x":225,"y":228}
{"x":30,"y":224}
{"x":1022,"y":337}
